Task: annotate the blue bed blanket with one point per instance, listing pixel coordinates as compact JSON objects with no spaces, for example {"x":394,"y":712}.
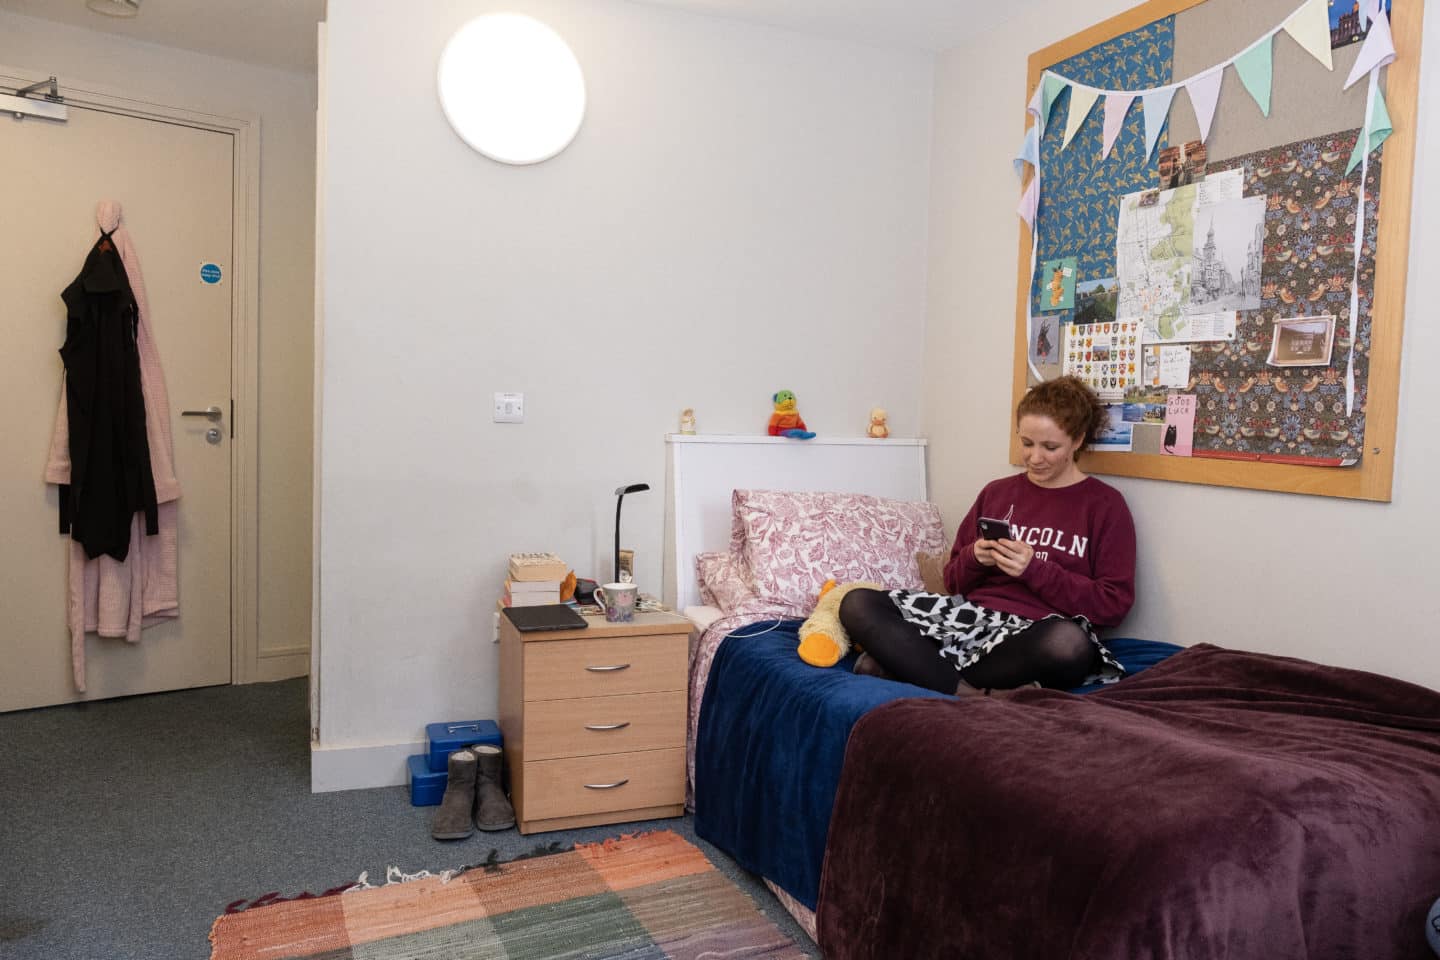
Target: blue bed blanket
{"x":771,"y":741}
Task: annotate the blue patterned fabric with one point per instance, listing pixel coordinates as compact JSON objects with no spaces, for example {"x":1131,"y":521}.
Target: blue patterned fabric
{"x":1079,"y":192}
{"x":771,"y":742}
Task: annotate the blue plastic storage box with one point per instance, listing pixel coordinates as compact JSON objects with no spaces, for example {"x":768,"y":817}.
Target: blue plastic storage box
{"x":446,"y":738}
{"x":427,"y":787}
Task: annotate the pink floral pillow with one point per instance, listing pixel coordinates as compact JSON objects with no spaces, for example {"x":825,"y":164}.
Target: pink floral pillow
{"x":725,"y":583}
{"x":794,"y":542}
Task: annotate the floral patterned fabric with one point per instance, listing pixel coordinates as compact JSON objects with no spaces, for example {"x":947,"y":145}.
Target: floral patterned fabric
{"x":794,"y":542}
{"x":725,"y":583}
{"x":1243,"y":405}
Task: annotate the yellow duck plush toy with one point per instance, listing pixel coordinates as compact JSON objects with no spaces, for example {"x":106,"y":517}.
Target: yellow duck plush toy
{"x":823,"y":641}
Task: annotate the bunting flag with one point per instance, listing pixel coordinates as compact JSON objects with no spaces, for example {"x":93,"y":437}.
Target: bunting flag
{"x":1082,"y":101}
{"x":1157,"y":110}
{"x":1310,"y":27}
{"x":1377,"y":129}
{"x":1050,"y":89}
{"x":1116,"y":106}
{"x":1256,"y":67}
{"x":1029,"y":152}
{"x":1034,"y":107}
{"x":1030,"y":202}
{"x":1378,"y":50}
{"x":1204,"y":93}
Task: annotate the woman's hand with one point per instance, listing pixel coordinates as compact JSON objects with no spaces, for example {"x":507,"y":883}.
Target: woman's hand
{"x":985,"y":552}
{"x":1011,"y":556}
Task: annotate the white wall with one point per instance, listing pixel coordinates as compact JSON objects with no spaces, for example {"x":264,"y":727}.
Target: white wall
{"x":1336,"y":581}
{"x":744,"y":210}
{"x":285,"y":103}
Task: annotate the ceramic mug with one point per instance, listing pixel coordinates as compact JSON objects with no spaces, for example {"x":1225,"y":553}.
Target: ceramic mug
{"x":618,"y":599}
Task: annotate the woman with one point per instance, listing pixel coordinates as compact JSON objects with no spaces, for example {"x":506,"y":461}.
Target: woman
{"x":1023,"y":609}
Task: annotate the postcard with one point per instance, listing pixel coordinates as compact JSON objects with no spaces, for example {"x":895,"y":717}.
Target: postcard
{"x":1106,"y":356}
{"x":1045,"y":341}
{"x":1179,"y":424}
{"x":1182,"y":165}
{"x":1057,"y":284}
{"x":1095,"y":300}
{"x":1115,"y":435}
{"x":1302,"y":342}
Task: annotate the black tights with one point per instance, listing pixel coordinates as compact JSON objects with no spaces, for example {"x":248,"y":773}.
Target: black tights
{"x":1055,"y":652}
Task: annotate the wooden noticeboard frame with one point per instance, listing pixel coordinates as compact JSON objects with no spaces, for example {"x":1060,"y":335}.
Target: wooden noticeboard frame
{"x":1371,"y":478}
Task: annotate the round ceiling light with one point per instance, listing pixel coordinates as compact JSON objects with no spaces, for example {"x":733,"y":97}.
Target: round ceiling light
{"x":114,"y":8}
{"x":512,"y":88}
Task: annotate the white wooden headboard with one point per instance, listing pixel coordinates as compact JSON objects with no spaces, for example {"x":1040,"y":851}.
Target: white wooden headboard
{"x":705,"y":470}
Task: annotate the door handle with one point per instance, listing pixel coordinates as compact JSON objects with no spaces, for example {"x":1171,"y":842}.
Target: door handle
{"x":211,"y":413}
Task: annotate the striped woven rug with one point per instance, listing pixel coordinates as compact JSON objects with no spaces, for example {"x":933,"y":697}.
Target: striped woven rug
{"x":647,"y":897}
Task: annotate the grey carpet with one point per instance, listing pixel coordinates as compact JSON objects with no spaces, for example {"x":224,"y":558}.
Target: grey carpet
{"x":126,"y":826}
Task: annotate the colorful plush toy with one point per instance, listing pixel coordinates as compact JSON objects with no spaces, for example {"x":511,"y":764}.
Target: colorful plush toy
{"x":877,"y":428}
{"x":823,"y":641}
{"x":785,"y":421}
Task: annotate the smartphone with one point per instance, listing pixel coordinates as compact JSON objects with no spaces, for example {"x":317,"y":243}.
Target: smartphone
{"x":994,"y":529}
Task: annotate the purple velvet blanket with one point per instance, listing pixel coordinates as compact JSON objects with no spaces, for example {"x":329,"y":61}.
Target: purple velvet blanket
{"x":1220,"y":805}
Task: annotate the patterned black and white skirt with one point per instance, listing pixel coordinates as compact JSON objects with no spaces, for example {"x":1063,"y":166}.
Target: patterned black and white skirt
{"x":964,"y":631}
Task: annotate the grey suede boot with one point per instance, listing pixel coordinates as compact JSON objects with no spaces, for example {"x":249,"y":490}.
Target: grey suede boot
{"x":492,"y":809}
{"x":452,"y":820}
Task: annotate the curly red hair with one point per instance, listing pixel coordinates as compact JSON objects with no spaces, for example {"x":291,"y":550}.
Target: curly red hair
{"x":1070,"y":403}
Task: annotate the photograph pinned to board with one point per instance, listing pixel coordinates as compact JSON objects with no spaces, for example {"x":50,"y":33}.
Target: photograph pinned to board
{"x":1057,"y":284}
{"x":1145,"y":404}
{"x":1045,"y":341}
{"x":1106,"y":356}
{"x":1345,"y":26}
{"x":1095,"y":300}
{"x":1166,"y":365}
{"x":1182,"y":165}
{"x":1225,"y":274}
{"x":1116,"y":434}
{"x":1302,"y":342}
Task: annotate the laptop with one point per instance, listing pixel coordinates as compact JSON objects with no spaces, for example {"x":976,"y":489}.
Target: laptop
{"x":548,"y":616}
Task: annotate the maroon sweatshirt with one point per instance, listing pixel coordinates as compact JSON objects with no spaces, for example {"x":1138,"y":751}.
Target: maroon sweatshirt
{"x":1084,"y":542}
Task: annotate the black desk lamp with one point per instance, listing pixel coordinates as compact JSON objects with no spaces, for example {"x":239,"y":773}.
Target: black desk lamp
{"x":620,"y":494}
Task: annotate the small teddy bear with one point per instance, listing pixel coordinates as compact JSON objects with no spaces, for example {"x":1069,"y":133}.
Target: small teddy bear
{"x":823,"y":640}
{"x":877,"y":428}
{"x":785,"y":421}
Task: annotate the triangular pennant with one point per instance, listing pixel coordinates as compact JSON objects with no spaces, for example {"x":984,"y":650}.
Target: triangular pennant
{"x":1030,"y":202}
{"x":1050,"y":91}
{"x":1376,"y":132}
{"x":1116,"y":106}
{"x":1034,"y":108}
{"x":1310,"y":27}
{"x":1204,"y":94}
{"x":1082,"y":101}
{"x":1378,"y":51}
{"x":1029,"y":151}
{"x":1157,"y":109}
{"x":1256,"y":67}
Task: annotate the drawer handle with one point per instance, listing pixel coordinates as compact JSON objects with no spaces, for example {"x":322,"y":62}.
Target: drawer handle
{"x":609,"y":669}
{"x":607,"y":726}
{"x":607,"y":786}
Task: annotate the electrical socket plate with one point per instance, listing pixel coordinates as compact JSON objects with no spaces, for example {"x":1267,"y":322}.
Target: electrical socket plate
{"x":509,"y":408}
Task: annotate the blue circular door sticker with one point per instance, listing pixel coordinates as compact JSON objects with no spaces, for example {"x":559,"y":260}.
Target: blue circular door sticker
{"x":210,"y":272}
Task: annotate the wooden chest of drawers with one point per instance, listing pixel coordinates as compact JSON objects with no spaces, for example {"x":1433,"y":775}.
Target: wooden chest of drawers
{"x":594,"y":721}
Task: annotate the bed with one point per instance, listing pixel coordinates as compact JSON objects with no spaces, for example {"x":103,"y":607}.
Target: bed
{"x":805,"y":776}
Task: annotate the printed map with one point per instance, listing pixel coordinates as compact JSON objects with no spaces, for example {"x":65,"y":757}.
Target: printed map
{"x":1154,"y":249}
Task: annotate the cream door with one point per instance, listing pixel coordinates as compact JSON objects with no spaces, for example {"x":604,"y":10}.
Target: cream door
{"x":174,"y":184}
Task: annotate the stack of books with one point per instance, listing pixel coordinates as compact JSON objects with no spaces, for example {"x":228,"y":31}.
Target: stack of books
{"x":534,"y":579}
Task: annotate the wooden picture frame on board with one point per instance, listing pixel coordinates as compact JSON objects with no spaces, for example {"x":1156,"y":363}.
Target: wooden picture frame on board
{"x":1372,"y":477}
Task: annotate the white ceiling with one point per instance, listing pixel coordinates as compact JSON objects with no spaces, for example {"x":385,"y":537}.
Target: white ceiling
{"x":281,"y":33}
